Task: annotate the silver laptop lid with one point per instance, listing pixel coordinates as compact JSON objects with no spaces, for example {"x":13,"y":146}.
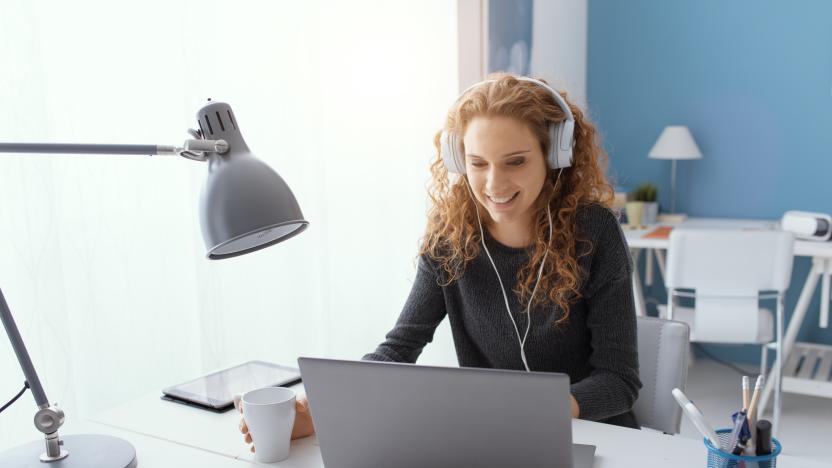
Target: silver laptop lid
{"x":375,"y":414}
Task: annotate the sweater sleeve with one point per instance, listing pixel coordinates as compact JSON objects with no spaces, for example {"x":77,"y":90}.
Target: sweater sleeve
{"x":423,"y":311}
{"x":612,"y":386}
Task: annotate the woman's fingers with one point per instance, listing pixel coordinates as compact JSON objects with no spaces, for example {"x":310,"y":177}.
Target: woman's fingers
{"x":238,"y":402}
{"x":243,"y":426}
{"x":244,"y":430}
{"x":302,"y":405}
{"x":303,"y":422}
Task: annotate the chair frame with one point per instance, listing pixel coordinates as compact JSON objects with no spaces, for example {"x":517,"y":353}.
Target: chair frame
{"x":673,"y":293}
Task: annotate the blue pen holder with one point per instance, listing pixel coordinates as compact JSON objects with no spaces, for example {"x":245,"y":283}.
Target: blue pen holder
{"x":719,"y":459}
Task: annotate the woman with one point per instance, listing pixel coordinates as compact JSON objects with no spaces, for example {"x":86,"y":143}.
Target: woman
{"x":522,"y":253}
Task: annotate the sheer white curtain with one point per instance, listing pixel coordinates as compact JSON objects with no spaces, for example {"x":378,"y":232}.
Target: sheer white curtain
{"x":101,"y":258}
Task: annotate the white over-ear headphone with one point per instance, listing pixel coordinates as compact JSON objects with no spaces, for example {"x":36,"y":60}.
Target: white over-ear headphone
{"x":560,"y":135}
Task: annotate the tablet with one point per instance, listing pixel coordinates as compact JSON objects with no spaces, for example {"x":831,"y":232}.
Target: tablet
{"x":216,"y":391}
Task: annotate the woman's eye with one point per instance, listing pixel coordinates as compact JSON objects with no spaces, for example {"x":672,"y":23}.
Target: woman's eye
{"x":477,"y":164}
{"x":517,"y":162}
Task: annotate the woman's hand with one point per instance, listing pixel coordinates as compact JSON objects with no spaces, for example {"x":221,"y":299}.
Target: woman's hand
{"x":303,"y":420}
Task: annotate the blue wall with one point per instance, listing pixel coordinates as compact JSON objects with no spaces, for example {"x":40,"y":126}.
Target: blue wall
{"x":753,"y":82}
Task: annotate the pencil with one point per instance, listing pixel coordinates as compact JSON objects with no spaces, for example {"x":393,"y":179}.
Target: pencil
{"x":753,"y":407}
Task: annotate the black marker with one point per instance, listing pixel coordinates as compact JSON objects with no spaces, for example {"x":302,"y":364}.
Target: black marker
{"x":763,"y":437}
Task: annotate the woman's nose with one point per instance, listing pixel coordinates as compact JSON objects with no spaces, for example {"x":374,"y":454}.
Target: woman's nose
{"x":495,"y":178}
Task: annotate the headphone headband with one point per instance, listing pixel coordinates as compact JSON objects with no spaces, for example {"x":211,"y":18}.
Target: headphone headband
{"x":560,"y":134}
{"x":561,"y":102}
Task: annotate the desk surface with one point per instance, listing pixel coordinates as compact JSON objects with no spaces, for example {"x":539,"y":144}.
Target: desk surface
{"x":802,"y":248}
{"x":163,"y":431}
{"x":153,"y":452}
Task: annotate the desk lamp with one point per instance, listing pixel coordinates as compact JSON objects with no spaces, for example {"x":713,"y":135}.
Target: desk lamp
{"x":244,"y":206}
{"x":675,"y":143}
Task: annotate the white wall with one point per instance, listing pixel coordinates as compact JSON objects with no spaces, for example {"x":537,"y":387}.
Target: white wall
{"x":559,"y":45}
{"x":472,"y":33}
{"x":101,"y":259}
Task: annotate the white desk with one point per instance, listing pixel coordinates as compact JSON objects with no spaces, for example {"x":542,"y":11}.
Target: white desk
{"x":153,"y":452}
{"x":794,"y":380}
{"x":166,"y":434}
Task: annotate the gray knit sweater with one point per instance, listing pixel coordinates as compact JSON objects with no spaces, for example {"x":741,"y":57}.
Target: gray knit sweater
{"x":596,"y":347}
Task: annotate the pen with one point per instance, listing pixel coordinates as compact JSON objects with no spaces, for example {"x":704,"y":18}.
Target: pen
{"x":745,"y":384}
{"x":737,"y":444}
{"x":695,"y":416}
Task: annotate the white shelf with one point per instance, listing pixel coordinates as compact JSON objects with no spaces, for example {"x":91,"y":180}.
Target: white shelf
{"x":808,"y":369}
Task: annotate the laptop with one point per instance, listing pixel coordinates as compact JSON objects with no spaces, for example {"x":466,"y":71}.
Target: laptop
{"x":379,"y":414}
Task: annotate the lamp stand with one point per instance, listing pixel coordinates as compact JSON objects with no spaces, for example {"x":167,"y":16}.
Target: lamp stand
{"x":81,"y":450}
{"x":673,"y":187}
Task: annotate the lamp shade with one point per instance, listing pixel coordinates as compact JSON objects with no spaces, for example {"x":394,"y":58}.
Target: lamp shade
{"x":245,"y":205}
{"x":675,"y":142}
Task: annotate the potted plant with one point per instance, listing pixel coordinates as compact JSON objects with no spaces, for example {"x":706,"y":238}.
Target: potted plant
{"x":647,"y":193}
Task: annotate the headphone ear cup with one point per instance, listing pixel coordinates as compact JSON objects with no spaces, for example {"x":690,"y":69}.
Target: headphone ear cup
{"x":459,"y":155}
{"x":560,"y":151}
{"x":566,"y":143}
{"x":554,"y":145}
{"x":451,"y":152}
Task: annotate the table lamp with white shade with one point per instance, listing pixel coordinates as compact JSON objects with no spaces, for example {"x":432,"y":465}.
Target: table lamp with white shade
{"x":245,"y":206}
{"x":675,"y":143}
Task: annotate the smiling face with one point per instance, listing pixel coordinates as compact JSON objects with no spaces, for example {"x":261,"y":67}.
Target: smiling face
{"x":506,"y":169}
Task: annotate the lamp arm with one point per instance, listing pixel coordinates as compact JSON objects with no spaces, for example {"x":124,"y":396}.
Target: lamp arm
{"x":192,"y":149}
{"x":71,"y":148}
{"x":22,"y":354}
{"x":49,"y":418}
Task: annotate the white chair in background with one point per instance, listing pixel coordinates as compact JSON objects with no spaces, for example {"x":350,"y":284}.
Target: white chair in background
{"x":727,"y":272}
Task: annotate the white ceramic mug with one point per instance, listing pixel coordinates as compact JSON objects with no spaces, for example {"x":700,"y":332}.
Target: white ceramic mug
{"x":270,"y":415}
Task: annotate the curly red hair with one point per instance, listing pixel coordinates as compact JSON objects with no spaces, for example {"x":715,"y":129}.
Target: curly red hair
{"x":452,"y":237}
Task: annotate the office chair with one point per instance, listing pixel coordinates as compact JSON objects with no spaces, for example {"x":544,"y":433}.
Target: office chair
{"x":727,"y":272}
{"x":662,"y":362}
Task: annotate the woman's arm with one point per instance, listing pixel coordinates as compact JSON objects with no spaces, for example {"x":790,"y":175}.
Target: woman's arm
{"x":423,"y":311}
{"x":612,"y":386}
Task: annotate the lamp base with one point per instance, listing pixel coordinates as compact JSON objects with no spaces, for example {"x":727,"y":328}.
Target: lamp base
{"x":85,"y":450}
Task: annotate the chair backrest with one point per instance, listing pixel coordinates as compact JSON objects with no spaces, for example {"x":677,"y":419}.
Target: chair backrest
{"x":663,"y":366}
{"x":728,"y":268}
{"x":729,"y":262}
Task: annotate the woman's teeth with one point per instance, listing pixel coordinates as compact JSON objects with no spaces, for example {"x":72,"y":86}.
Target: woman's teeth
{"x":502,"y":200}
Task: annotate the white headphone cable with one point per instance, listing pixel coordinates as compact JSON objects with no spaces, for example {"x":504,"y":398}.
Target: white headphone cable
{"x":522,"y":341}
